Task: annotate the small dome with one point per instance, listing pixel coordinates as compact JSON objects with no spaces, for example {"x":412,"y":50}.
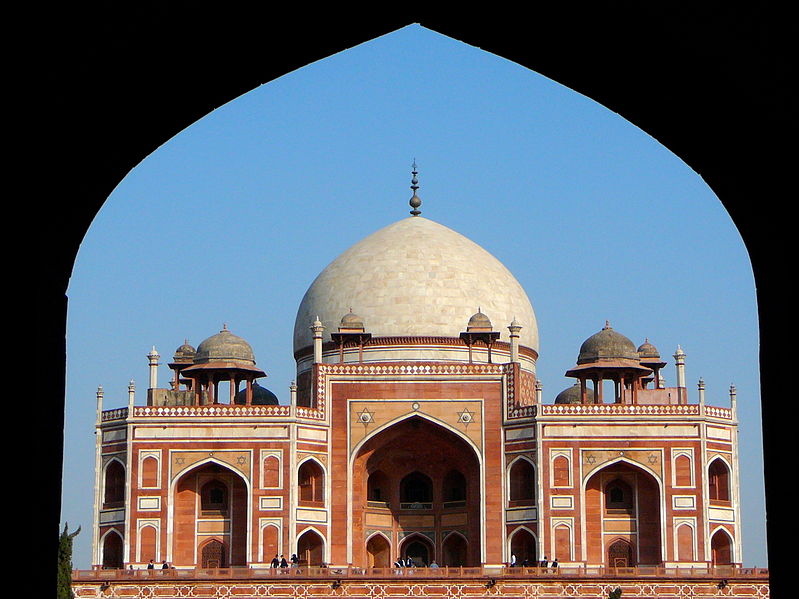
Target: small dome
{"x":184,"y":352}
{"x":261,"y":396}
{"x":479,"y":321}
{"x":647,"y":350}
{"x":572,"y":395}
{"x":224,"y":346}
{"x":351,"y":321}
{"x":607,"y":344}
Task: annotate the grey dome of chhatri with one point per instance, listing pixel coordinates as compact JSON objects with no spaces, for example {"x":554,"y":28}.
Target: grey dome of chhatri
{"x":607,"y":344}
{"x":185,"y":351}
{"x":261,"y":396}
{"x":479,"y":320}
{"x":351,"y":321}
{"x":572,"y":395}
{"x":647,"y":350}
{"x":224,"y":346}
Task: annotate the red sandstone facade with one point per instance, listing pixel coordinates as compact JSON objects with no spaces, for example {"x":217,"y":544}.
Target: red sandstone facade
{"x":453,"y":463}
{"x":435,"y":445}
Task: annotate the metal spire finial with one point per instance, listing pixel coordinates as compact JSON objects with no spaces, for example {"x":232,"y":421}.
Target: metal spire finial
{"x":415,"y":201}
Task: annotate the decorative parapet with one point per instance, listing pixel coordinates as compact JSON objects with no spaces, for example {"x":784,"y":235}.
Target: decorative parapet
{"x":725,"y":413}
{"x":211,"y":410}
{"x":410,"y":368}
{"x":222,"y":410}
{"x":115,"y":414}
{"x":634,"y":410}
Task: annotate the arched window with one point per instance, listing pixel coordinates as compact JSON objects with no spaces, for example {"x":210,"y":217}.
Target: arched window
{"x":682,"y":471}
{"x":310,"y":549}
{"x":416,"y":490}
{"x":523,"y":546}
{"x":377,"y":488}
{"x":685,"y":543}
{"x":721,"y":549}
{"x":560,"y":471}
{"x":213,"y":554}
{"x":454,"y":487}
{"x":311,"y":480}
{"x":114,"y":495}
{"x":112,"y":551}
{"x":271,"y":472}
{"x":719,"y":481}
{"x":522,"y":483}
{"x":149,"y":472}
{"x":214,"y":498}
{"x":378,"y":552}
{"x":148,"y":543}
{"x":270,"y":538}
{"x":454,"y":551}
{"x":620,"y":554}
{"x":618,"y":497}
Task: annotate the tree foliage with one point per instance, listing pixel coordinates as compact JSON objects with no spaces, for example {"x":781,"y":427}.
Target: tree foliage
{"x":64,"y":580}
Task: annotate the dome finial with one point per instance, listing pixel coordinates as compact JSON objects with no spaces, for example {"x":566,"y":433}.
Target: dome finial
{"x":415,"y":202}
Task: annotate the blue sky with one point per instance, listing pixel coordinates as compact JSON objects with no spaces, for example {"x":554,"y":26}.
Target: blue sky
{"x":232,"y":219}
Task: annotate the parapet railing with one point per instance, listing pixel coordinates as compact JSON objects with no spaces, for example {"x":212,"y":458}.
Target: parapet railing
{"x":634,"y":410}
{"x":338,"y":574}
{"x":238,"y":411}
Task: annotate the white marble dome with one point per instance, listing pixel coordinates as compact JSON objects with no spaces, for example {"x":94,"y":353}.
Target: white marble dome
{"x":415,"y":278}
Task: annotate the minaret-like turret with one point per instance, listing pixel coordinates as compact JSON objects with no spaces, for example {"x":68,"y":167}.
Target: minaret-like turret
{"x":317,"y":329}
{"x":99,"y":404}
{"x":679,"y":363}
{"x":131,"y":396}
{"x":514,"y":329}
{"x":153,"y":358}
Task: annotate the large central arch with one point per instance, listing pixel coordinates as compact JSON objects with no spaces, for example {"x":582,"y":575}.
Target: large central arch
{"x":416,"y":478}
{"x":210,"y":516}
{"x":624,"y":513}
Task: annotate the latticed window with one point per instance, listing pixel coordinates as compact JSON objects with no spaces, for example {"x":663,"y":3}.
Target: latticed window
{"x":214,"y":497}
{"x":618,"y":497}
{"x":416,"y":488}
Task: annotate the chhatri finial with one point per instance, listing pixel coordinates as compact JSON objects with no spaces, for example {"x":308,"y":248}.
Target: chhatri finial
{"x":415,"y":201}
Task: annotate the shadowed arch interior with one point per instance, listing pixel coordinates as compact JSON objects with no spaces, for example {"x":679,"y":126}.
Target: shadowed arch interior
{"x":429,"y":481}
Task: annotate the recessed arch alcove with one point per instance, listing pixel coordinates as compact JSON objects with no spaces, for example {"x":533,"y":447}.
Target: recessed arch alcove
{"x":339,"y":38}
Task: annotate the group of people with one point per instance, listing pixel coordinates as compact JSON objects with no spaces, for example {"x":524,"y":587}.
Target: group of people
{"x":151,"y":565}
{"x":281,"y":562}
{"x":543,"y":564}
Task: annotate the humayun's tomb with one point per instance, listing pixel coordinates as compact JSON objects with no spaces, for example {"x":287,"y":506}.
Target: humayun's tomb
{"x":417,"y":429}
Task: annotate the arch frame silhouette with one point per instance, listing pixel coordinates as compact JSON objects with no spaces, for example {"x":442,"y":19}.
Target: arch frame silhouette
{"x":727,"y":136}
